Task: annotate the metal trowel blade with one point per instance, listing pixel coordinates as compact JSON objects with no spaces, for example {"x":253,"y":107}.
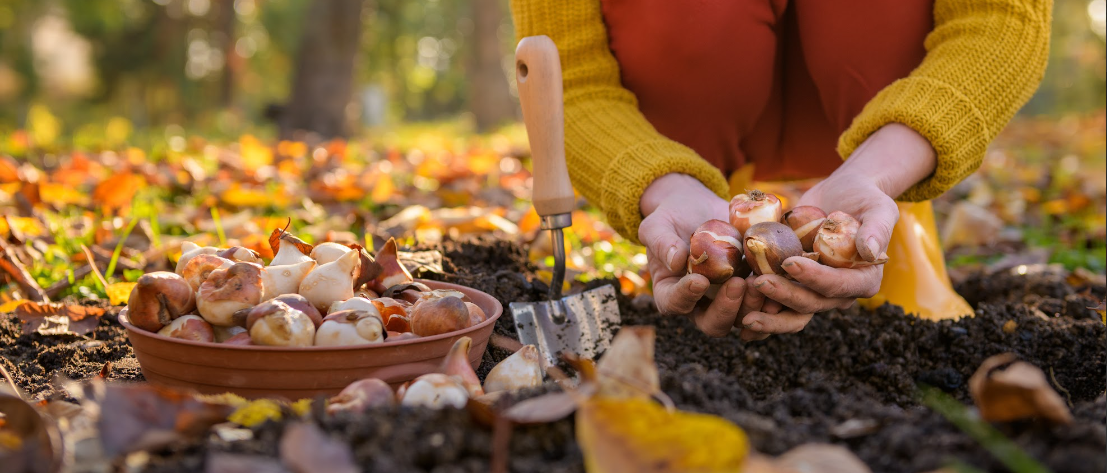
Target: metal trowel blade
{"x":581,"y":323}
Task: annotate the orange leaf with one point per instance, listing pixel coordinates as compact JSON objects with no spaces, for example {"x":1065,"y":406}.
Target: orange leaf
{"x":117,"y":191}
{"x":58,"y":319}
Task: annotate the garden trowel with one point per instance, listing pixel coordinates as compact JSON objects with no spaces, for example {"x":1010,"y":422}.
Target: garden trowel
{"x":582,"y":323}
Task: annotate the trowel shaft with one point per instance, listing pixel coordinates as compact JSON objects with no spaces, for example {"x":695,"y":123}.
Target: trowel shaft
{"x":555,"y":224}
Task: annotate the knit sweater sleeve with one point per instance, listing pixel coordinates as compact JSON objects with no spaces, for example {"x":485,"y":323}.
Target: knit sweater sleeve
{"x":984,"y":60}
{"x":612,"y":152}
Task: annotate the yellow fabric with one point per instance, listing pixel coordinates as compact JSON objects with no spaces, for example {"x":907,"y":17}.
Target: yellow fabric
{"x":984,"y":60}
{"x":915,"y":276}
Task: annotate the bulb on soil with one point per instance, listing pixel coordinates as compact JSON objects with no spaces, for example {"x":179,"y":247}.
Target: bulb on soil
{"x":191,"y":250}
{"x":747,"y":210}
{"x":362,"y":395}
{"x":351,"y":327}
{"x":229,"y":290}
{"x":520,"y":370}
{"x":439,"y":315}
{"x":768,"y":244}
{"x":714,"y":251}
{"x":200,"y":266}
{"x":457,"y":364}
{"x":189,"y":327}
{"x":805,"y":222}
{"x":436,"y":391}
{"x":274,"y":323}
{"x":284,"y":279}
{"x":157,"y":299}
{"x":330,"y":282}
{"x":324,"y":253}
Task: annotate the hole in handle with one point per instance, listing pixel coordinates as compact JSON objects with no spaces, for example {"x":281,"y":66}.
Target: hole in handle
{"x":522,"y":68}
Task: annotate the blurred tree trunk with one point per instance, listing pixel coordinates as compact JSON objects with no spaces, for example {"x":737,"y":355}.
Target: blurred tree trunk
{"x":231,"y":62}
{"x":323,"y":82}
{"x":489,"y":95}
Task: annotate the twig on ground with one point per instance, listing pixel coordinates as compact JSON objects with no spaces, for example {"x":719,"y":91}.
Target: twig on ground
{"x":1068,"y":395}
{"x":8,"y":376}
{"x":11,"y":265}
{"x":65,"y":283}
{"x":95,"y":270}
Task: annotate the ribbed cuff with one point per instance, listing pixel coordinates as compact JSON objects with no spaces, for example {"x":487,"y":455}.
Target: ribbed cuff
{"x":945,"y":117}
{"x":630,"y":173}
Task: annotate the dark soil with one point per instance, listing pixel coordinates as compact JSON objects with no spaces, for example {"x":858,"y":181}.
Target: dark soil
{"x":784,"y":391}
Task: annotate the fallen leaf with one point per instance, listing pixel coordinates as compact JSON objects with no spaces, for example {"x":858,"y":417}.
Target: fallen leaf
{"x":26,"y":443}
{"x":1005,"y":389}
{"x":119,"y":292}
{"x":627,"y":369}
{"x":11,"y":305}
{"x":256,"y":412}
{"x":821,"y":458}
{"x":369,"y":269}
{"x":136,"y":417}
{"x":618,"y":435}
{"x":58,"y":319}
{"x":117,"y":191}
{"x":542,"y":409}
{"x":307,"y":449}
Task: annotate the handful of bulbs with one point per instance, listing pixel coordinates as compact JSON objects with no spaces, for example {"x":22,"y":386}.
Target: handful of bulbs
{"x":761,"y":235}
{"x":324,"y":295}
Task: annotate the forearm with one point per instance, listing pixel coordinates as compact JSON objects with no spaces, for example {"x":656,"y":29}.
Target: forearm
{"x":894,"y":158}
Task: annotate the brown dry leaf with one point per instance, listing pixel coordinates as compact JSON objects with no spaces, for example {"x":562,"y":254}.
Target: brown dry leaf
{"x":137,"y":417}
{"x":369,"y":267}
{"x":307,"y":449}
{"x":618,"y":435}
{"x":627,"y":369}
{"x":117,"y":191}
{"x":281,"y":234}
{"x":1005,"y":389}
{"x":25,"y":440}
{"x":58,"y":319}
{"x":542,"y":409}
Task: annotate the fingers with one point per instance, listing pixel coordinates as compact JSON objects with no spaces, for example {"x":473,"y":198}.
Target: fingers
{"x":663,"y":243}
{"x":787,"y":321}
{"x":876,"y":228}
{"x":718,"y":318}
{"x":796,"y":296}
{"x":675,"y":295}
{"x":829,"y":282}
{"x":748,"y":335}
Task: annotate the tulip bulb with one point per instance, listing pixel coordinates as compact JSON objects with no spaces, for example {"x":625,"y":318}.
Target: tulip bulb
{"x":189,"y":327}
{"x":805,"y":222}
{"x":350,"y":327}
{"x":284,"y":279}
{"x":239,"y":254}
{"x":362,"y":395}
{"x":520,"y":370}
{"x":436,"y":391}
{"x":274,"y":323}
{"x":242,"y":339}
{"x":457,"y":364}
{"x":229,"y":290}
{"x":191,"y":250}
{"x":747,"y":210}
{"x":768,"y":244}
{"x":330,"y":282}
{"x":437,"y":316}
{"x":395,"y":313}
{"x":157,"y":299}
{"x":836,"y":242}
{"x":288,"y":253}
{"x":354,"y":303}
{"x":324,"y":253}
{"x":715,"y":250}
{"x":222,"y":334}
{"x":393,"y":272}
{"x":476,"y":314}
{"x":301,"y":304}
{"x":200,"y":267}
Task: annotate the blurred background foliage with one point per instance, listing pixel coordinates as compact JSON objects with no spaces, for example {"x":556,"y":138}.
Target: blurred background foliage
{"x":225,"y":67}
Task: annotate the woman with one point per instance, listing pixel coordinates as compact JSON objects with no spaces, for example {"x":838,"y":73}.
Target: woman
{"x":665,"y":99}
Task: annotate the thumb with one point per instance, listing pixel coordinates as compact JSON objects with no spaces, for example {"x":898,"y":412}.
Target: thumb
{"x":876,"y":228}
{"x":662,"y":241}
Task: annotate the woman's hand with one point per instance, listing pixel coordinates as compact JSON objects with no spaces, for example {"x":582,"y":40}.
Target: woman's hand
{"x":674,"y":206}
{"x":892,"y":160}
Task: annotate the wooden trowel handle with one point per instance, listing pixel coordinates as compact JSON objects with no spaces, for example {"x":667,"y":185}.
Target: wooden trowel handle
{"x":538,"y":75}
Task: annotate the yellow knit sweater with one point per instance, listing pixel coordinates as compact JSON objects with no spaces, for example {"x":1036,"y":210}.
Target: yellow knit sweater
{"x":984,"y":60}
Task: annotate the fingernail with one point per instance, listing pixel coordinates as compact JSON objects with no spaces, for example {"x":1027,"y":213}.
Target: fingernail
{"x":733,"y":291}
{"x":874,"y":249}
{"x":752,"y":324}
{"x":669,"y":258}
{"x":792,"y":268}
{"x":697,"y":286}
{"x":765,"y":287}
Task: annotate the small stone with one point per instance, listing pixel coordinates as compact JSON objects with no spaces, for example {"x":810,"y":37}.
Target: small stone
{"x":1010,"y":326}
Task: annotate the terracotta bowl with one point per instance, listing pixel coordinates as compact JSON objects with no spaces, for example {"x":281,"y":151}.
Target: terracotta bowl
{"x":297,"y":373}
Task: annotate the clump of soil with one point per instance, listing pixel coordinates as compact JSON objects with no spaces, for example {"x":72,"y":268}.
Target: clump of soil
{"x":852,"y":365}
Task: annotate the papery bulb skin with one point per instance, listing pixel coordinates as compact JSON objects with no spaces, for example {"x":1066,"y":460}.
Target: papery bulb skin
{"x":358,"y":303}
{"x":284,"y":279}
{"x":191,"y":250}
{"x":438,"y":316}
{"x":768,"y":244}
{"x":189,"y":327}
{"x":393,"y":272}
{"x":351,"y":327}
{"x":242,"y":339}
{"x":715,"y":251}
{"x":158,"y":298}
{"x":805,"y":221}
{"x":200,"y":266}
{"x":222,"y":334}
{"x":229,"y":290}
{"x":331,"y":282}
{"x":301,"y":304}
{"x":324,"y":253}
{"x":396,"y":313}
{"x":752,"y":208}
{"x":836,"y":242}
{"x":435,"y":391}
{"x":240,"y":254}
{"x":523,"y":369}
{"x":361,"y":396}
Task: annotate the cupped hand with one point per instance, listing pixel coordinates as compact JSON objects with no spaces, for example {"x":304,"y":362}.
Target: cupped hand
{"x":675,"y":205}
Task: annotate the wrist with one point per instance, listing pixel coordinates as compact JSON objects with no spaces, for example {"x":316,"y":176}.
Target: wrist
{"x":894,"y":158}
{"x":671,"y":184}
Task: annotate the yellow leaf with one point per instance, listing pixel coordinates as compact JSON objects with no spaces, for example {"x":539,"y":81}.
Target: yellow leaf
{"x":9,"y":306}
{"x":119,"y":292}
{"x":43,"y":125}
{"x":254,"y":154}
{"x":256,"y":412}
{"x":61,"y":195}
{"x":641,"y":436}
{"x":26,"y":225}
{"x":383,"y":189}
